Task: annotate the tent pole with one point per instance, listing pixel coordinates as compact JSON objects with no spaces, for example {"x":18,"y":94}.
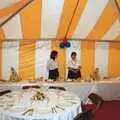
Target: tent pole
{"x":70,"y":23}
{"x":14,"y":14}
{"x":116,"y":7}
{"x":47,"y":39}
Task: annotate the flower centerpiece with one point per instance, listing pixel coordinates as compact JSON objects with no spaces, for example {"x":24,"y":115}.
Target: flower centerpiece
{"x":39,"y":96}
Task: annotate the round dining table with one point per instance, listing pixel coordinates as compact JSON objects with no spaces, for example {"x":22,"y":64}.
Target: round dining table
{"x":39,"y":104}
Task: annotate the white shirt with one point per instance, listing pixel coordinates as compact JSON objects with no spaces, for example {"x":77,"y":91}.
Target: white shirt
{"x":52,"y":64}
{"x":73,"y":64}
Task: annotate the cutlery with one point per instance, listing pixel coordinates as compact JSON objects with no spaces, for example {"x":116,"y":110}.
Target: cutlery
{"x":55,"y":110}
{"x":60,"y":107}
{"x":30,"y":111}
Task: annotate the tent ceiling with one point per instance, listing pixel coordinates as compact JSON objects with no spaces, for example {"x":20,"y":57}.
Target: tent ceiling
{"x":4,"y":18}
{"x":92,"y":20}
{"x":7,"y":3}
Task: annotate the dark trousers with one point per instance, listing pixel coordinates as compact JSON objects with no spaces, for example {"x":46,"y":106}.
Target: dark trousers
{"x":53,"y":74}
{"x":74,"y":75}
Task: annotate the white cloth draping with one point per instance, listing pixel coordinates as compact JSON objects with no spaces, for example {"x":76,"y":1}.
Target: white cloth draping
{"x":109,"y":89}
{"x":69,"y":105}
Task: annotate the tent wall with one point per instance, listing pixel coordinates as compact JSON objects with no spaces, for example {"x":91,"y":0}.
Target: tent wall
{"x":104,"y":55}
{"x":93,"y":20}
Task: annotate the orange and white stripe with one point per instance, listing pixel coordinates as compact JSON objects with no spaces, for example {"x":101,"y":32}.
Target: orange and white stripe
{"x":43,"y":49}
{"x":7,"y":3}
{"x":113,"y":32}
{"x":2,"y":37}
{"x":50,"y":20}
{"x":101,"y":57}
{"x":4,"y":18}
{"x":12,"y":8}
{"x":93,"y":20}
{"x":89,"y":17}
{"x":12,"y":29}
{"x":30,"y":18}
{"x":10,"y":58}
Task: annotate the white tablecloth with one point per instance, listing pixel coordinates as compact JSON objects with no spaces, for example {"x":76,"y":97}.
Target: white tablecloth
{"x":109,"y":89}
{"x":21,"y":101}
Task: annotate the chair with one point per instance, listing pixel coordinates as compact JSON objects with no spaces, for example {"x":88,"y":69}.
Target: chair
{"x":4,"y":92}
{"x":103,"y":110}
{"x":57,"y":88}
{"x":30,"y":86}
{"x":88,"y":111}
{"x":85,"y":114}
{"x":96,"y":99}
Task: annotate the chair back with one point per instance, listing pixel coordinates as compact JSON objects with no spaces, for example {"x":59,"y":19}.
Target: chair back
{"x":4,"y":92}
{"x":57,"y":87}
{"x":31,"y":86}
{"x":95,"y":98}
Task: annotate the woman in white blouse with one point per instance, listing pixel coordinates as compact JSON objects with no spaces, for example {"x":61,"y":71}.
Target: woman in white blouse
{"x":52,"y":66}
{"x":74,"y":67}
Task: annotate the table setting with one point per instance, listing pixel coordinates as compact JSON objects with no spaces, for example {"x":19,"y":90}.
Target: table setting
{"x":39,"y":104}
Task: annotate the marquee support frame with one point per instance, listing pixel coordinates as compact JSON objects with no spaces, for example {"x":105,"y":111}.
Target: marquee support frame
{"x":14,"y":14}
{"x":116,"y":7}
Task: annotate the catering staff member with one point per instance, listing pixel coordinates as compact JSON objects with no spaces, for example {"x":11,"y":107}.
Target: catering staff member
{"x":52,"y":66}
{"x":74,"y":67}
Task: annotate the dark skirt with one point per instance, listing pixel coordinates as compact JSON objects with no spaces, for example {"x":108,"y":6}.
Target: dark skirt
{"x":74,"y":75}
{"x":53,"y":74}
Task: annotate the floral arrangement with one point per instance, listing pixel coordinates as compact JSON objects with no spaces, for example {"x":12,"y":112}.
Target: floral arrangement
{"x":39,"y":96}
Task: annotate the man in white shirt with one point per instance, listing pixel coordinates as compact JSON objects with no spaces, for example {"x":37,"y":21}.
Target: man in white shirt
{"x":74,"y":67}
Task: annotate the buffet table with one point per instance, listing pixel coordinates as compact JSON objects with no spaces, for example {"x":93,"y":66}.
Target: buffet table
{"x":39,"y":104}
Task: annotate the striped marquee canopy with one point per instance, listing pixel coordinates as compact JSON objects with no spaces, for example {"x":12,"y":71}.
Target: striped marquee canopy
{"x":76,"y":19}
{"x":91,"y":20}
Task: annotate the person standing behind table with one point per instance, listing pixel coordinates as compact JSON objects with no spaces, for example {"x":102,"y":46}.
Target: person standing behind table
{"x":74,"y":67}
{"x":52,"y":66}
